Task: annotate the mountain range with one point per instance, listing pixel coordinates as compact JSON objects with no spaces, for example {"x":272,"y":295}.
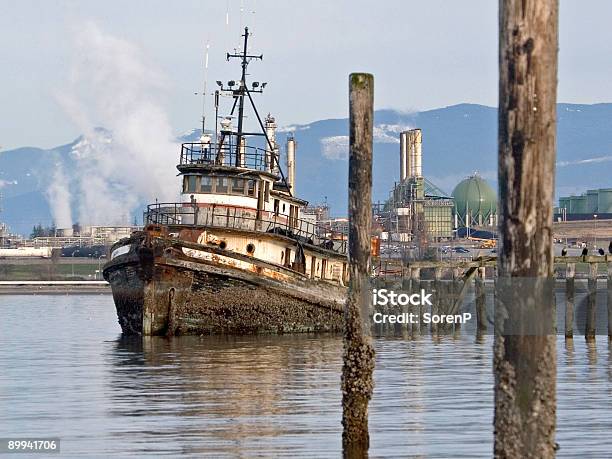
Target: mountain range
{"x":457,"y":141}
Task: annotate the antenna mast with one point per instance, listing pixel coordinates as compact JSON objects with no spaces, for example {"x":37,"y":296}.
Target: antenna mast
{"x":239,"y":95}
{"x":242,"y":89}
{"x":204,"y":91}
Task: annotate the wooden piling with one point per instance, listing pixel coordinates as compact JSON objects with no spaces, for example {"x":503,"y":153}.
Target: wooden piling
{"x":481,"y":302}
{"x":610,"y":298}
{"x":525,"y":364}
{"x":358,"y":358}
{"x":406,"y":289}
{"x":455,"y":289}
{"x":437,"y":298}
{"x":591,"y":315}
{"x":570,"y":289}
{"x":415,"y":277}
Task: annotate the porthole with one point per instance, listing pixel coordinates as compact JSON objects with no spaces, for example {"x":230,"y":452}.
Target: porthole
{"x":250,"y":248}
{"x":222,"y":245}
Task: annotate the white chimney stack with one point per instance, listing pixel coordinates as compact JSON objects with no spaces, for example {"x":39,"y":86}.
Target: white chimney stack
{"x":403,"y":157}
{"x":270,"y":124}
{"x":414,"y":139}
{"x":291,"y":145}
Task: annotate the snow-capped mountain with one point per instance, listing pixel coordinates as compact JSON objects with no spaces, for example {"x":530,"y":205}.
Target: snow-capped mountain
{"x":457,"y":141}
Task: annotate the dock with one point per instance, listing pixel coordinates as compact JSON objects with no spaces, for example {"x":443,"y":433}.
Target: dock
{"x":580,"y":280}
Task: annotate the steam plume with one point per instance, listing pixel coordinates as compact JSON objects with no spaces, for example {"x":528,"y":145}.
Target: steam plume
{"x":58,"y":196}
{"x":132,"y":160}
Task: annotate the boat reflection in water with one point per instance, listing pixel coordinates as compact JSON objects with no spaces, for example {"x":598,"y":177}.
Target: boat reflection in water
{"x":220,"y":395}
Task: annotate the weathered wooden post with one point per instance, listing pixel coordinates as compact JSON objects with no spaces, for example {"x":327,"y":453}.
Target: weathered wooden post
{"x":591,"y":315}
{"x":418,"y":310}
{"x":525,"y":363}
{"x":481,"y":302}
{"x":358,"y":364}
{"x":570,"y":289}
{"x":435,"y":307}
{"x":455,"y":289}
{"x":406,"y":281}
{"x":609,"y":297}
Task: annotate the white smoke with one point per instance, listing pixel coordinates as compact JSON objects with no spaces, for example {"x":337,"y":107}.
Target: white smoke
{"x":4,"y":183}
{"x":113,"y":85}
{"x":58,"y":196}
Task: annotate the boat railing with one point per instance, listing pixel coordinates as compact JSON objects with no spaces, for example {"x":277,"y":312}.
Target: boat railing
{"x":209,"y":154}
{"x":185,"y":214}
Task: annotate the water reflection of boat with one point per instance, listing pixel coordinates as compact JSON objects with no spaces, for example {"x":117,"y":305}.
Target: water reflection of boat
{"x":234,"y":255}
{"x":224,"y":395}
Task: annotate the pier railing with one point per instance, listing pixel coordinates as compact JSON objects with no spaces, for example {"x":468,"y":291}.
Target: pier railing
{"x":248,"y":157}
{"x":582,"y":303}
{"x":184,"y":214}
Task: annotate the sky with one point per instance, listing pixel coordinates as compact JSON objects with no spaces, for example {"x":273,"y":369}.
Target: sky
{"x":423,"y":54}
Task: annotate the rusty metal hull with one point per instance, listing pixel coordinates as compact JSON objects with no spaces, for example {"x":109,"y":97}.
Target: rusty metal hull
{"x":158,"y":290}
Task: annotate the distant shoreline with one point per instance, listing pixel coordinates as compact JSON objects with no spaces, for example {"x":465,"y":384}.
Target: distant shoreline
{"x":54,"y":288}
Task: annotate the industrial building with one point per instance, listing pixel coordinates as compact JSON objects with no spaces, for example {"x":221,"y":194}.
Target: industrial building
{"x":417,"y":210}
{"x":475,"y":203}
{"x":587,"y":206}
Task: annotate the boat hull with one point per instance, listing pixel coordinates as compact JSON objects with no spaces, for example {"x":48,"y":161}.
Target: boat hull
{"x":161,"y":291}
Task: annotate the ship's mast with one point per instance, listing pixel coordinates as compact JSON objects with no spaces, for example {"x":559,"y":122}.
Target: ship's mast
{"x":239,"y":95}
{"x":242,"y":88}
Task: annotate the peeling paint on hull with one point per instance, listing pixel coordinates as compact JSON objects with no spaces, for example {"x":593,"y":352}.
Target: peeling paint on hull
{"x":160,"y":291}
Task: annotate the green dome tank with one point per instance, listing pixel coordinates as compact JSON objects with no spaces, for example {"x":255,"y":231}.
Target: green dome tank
{"x":476,"y":197}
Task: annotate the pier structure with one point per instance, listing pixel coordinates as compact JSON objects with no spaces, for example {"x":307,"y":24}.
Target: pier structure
{"x":460,"y":285}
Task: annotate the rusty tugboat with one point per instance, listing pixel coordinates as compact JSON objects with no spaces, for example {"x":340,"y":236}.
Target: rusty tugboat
{"x":234,"y":257}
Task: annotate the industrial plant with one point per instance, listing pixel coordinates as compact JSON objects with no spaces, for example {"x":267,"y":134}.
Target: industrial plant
{"x":588,"y":206}
{"x":418,"y":212}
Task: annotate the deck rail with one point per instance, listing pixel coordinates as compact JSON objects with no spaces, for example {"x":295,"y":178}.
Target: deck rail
{"x":247,"y":157}
{"x":185,"y":214}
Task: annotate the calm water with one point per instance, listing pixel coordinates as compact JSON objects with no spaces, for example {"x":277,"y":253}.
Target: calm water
{"x":65,"y":372}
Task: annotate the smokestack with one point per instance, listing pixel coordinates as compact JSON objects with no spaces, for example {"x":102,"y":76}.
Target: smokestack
{"x":276,"y":162}
{"x":270,"y":124}
{"x":414,"y":140}
{"x":291,"y":145}
{"x":403,"y":157}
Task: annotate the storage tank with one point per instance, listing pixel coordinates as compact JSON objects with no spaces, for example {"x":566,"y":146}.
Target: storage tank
{"x":475,"y":197}
{"x":604,"y":200}
{"x":577,"y":205}
{"x":591,"y":200}
{"x":564,"y":203}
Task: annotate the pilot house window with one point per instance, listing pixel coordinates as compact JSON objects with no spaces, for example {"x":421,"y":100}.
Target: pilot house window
{"x":238,"y":186}
{"x":222,"y":185}
{"x":206,"y":185}
{"x":190,"y":184}
{"x":251,"y":188}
